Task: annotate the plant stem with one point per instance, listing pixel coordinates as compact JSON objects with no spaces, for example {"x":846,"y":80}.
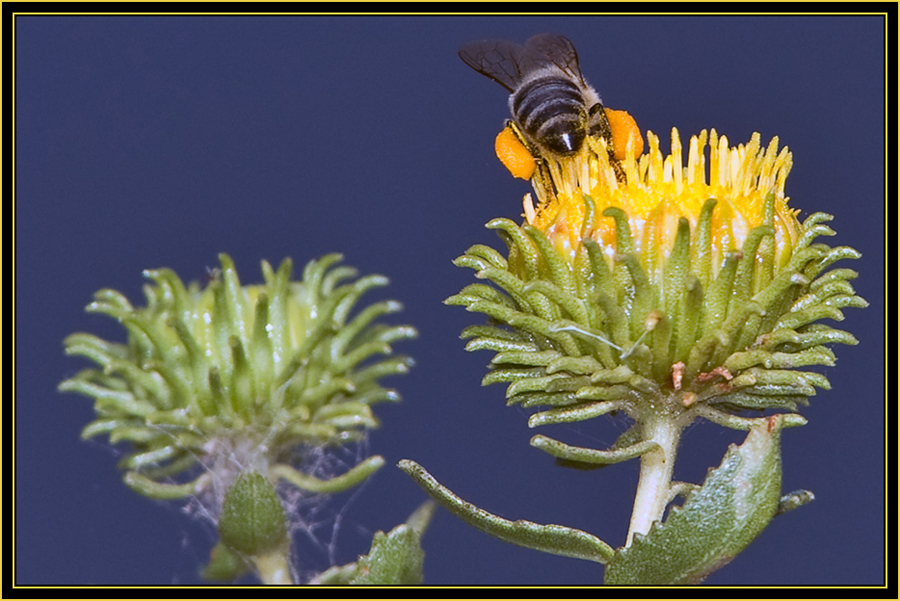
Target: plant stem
{"x":274,"y":567}
{"x":656,"y":474}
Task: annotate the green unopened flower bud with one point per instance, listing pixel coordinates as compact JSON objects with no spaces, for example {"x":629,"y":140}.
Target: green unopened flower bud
{"x":252,"y":519}
{"x":234,"y":376}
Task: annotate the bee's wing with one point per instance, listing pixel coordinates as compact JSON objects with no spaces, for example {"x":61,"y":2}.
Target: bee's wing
{"x":555,"y":48}
{"x":497,"y":59}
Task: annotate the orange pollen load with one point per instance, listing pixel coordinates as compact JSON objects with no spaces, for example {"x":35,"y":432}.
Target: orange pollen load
{"x":513,"y":154}
{"x":624,"y":128}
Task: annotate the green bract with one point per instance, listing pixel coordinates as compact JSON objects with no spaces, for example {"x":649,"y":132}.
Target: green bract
{"x":236,"y":377}
{"x":600,"y":334}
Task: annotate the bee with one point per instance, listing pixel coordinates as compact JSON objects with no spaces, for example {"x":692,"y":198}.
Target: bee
{"x":553,"y":108}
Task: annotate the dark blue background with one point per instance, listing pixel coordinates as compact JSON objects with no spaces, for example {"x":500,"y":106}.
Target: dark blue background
{"x":162,"y":141}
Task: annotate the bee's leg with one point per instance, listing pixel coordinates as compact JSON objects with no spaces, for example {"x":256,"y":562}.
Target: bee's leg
{"x":541,"y":179}
{"x":617,"y":167}
{"x":598,"y":126}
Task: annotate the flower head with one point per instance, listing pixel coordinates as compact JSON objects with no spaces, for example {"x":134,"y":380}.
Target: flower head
{"x":644,"y":285}
{"x":234,"y":377}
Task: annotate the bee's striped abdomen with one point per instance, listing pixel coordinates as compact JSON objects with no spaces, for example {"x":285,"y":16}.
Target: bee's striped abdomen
{"x":551,"y":109}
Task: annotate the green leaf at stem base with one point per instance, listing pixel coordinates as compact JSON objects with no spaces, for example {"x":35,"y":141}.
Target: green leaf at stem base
{"x":549,"y":538}
{"x":718,"y":520}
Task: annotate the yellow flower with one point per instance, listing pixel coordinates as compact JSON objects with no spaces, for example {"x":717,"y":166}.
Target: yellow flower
{"x":659,"y":189}
{"x":641,"y":284}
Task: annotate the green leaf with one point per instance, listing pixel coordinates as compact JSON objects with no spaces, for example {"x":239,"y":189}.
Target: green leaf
{"x":395,"y":557}
{"x":551,"y":538}
{"x":421,"y":517}
{"x":735,"y":503}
